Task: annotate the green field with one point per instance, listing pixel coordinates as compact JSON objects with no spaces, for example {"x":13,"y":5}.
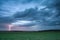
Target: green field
{"x":45,"y":35}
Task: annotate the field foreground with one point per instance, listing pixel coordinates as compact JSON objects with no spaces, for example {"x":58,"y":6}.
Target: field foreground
{"x":42,"y":35}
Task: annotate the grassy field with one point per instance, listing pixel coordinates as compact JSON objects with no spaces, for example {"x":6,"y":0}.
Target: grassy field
{"x":44,"y":35}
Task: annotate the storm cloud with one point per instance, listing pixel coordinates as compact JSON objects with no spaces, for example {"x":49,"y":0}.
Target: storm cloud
{"x":44,"y":13}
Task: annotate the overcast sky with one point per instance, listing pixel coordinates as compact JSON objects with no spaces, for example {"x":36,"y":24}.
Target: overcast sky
{"x":8,"y":9}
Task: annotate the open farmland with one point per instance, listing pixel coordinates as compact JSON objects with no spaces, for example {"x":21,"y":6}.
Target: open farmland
{"x":42,"y":35}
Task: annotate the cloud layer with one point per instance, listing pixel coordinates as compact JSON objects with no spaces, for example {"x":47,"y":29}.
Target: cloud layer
{"x":44,"y":13}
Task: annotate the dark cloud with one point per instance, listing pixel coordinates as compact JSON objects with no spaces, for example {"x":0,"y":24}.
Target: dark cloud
{"x":5,"y":19}
{"x":42,"y":17}
{"x":47,"y":15}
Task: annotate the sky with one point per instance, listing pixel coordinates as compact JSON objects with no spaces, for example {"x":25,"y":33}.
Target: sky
{"x":29,"y":15}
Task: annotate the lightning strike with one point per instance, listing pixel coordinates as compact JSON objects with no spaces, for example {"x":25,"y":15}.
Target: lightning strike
{"x":10,"y":27}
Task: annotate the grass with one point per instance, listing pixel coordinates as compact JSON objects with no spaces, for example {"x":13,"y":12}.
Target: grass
{"x":42,"y":35}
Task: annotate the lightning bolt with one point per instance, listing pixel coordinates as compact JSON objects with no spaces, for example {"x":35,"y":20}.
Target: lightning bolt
{"x":10,"y":27}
